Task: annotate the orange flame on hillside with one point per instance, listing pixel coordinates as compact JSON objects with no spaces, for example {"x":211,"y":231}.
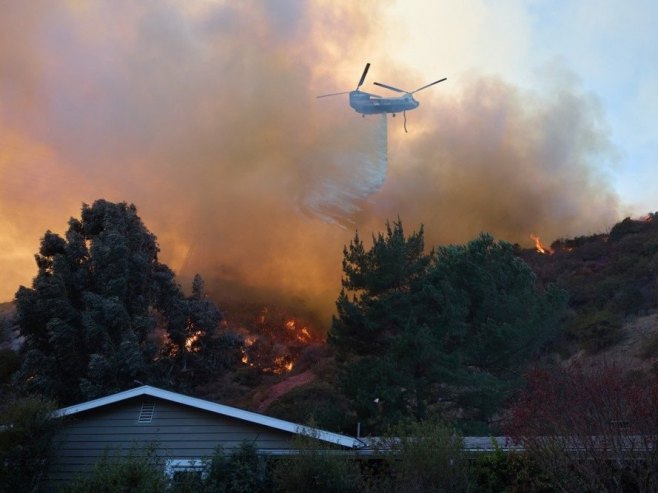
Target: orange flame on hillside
{"x":248,"y":342}
{"x":282,"y":365}
{"x":539,"y":246}
{"x":302,"y":335}
{"x":273,"y":339}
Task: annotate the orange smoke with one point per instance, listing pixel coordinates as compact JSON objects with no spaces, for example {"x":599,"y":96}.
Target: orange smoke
{"x":206,"y":119}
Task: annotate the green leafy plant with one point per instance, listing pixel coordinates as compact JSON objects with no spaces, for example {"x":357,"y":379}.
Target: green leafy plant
{"x":140,"y":471}
{"x":317,"y":468}
{"x":26,"y":443}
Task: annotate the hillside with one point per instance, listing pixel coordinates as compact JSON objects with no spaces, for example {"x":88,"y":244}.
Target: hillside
{"x":287,"y":370}
{"x":611,"y":279}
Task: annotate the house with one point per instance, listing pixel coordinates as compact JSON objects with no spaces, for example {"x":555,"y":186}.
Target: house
{"x":185,"y":430}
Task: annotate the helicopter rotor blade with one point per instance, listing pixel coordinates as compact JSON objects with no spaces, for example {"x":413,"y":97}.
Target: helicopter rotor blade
{"x":363,"y":76}
{"x":333,"y":94}
{"x":389,"y":87}
{"x":428,"y":85}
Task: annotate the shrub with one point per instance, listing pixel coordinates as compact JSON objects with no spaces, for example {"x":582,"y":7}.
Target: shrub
{"x":590,"y":430}
{"x":318,"y":469}
{"x":509,"y":472}
{"x":26,"y":443}
{"x":141,"y":471}
{"x":243,"y":471}
{"x":426,"y":456}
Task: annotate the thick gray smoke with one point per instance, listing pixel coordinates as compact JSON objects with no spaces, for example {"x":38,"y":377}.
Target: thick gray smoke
{"x":204,"y":115}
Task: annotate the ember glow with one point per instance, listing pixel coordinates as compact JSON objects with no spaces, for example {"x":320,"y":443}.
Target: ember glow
{"x":281,"y":365}
{"x":302,"y":335}
{"x":190,"y":342}
{"x":248,"y":342}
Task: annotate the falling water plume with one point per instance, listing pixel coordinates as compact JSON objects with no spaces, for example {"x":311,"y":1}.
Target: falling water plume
{"x":359,"y":173}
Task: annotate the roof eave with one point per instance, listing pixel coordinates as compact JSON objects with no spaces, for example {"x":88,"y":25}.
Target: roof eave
{"x":221,"y":409}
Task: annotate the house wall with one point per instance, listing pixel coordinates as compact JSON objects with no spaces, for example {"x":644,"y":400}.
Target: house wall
{"x":178,"y":432}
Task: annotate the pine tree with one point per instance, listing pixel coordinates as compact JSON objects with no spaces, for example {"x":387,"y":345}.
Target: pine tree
{"x":418,"y":332}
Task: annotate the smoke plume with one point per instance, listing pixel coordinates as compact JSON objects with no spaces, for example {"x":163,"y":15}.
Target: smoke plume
{"x":204,"y":116}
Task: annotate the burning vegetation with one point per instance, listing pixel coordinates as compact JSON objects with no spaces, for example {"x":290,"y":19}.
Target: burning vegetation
{"x":539,"y":246}
{"x":273,"y":338}
{"x":609,"y":276}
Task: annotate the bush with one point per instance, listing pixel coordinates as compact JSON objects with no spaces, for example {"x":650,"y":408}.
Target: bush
{"x":26,"y":444}
{"x":426,"y":456}
{"x":141,"y":471}
{"x":596,"y":330}
{"x":590,"y":429}
{"x":243,"y":471}
{"x":317,"y":469}
{"x":509,"y":472}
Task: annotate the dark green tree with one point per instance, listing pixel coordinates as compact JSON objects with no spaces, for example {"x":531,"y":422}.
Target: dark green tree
{"x":195,"y":350}
{"x":100,"y":307}
{"x":381,"y":281}
{"x":419,"y":333}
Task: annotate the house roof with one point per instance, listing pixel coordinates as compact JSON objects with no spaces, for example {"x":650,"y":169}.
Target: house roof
{"x":213,"y":407}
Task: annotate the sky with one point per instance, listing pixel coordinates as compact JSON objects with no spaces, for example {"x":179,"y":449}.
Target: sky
{"x":203,"y":114}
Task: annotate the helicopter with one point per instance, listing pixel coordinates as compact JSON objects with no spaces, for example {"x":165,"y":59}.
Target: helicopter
{"x":373,"y":104}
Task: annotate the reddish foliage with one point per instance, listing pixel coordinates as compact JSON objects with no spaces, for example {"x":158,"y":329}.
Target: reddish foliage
{"x":590,"y":401}
{"x":593,"y":428}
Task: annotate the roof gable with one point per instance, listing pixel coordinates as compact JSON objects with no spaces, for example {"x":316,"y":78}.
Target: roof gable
{"x":213,"y":407}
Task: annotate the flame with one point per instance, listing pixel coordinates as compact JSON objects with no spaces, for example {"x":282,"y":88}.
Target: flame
{"x":539,"y":246}
{"x":189,"y":342}
{"x":282,"y":364}
{"x":272,"y":339}
{"x":302,"y":335}
{"x":248,"y":342}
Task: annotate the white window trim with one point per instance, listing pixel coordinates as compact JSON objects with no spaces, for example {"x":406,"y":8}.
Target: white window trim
{"x":172,"y":466}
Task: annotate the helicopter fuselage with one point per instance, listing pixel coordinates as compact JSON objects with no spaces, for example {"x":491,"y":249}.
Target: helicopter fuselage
{"x":367,"y":104}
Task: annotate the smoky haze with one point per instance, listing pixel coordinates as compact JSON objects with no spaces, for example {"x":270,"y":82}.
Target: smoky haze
{"x":206,"y":120}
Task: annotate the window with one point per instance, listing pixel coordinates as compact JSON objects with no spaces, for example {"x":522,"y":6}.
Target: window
{"x":185,"y":470}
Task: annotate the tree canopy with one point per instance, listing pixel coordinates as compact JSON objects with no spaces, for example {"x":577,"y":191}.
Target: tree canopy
{"x":431,"y":331}
{"x":104,"y":312}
